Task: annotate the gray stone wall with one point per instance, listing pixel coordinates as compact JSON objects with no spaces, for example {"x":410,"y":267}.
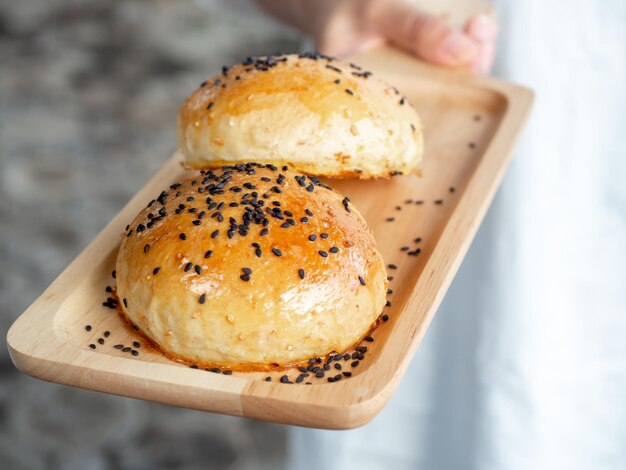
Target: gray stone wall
{"x":89,"y":92}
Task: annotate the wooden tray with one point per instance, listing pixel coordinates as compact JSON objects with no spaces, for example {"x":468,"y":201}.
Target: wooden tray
{"x":471,"y":124}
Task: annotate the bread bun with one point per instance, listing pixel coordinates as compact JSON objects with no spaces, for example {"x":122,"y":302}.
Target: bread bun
{"x":250,"y":266}
{"x":317,"y":114}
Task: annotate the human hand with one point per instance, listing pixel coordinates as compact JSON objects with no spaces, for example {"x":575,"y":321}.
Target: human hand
{"x":343,"y":27}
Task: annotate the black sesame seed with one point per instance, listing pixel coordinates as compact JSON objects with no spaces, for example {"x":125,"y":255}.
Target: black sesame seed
{"x":113,"y":274}
{"x":156,"y":271}
{"x":285,"y":379}
{"x":118,"y":346}
{"x":208,"y":254}
{"x":198,"y":269}
{"x":182,"y":236}
{"x":390,"y":219}
{"x":202,"y":298}
{"x":188,"y":267}
{"x":87,"y":327}
{"x":347,"y":374}
{"x":439,"y":201}
{"x":309,"y":212}
{"x":209,"y":106}
{"x":337,"y":81}
{"x":107,"y":334}
{"x":451,"y":189}
{"x":404,"y":248}
{"x":392,"y":266}
{"x":322,"y":253}
{"x":369,"y":339}
{"x":312,"y":237}
{"x":245,"y":277}
{"x":471,"y":145}
{"x":126,"y":349}
{"x":334,"y":249}
{"x":100,"y":341}
{"x":258,"y":252}
{"x":268,"y":379}
{"x":136,"y":344}
{"x":264,"y":232}
{"x":320,"y":374}
{"x":92,"y":346}
{"x":146,"y":248}
{"x":385,"y":317}
{"x":134,"y":352}
{"x":301,"y":273}
{"x":418,"y":240}
{"x":362,"y":281}
{"x":388,"y":304}
{"x":349,"y":91}
{"x":246,"y":271}
{"x":215,"y":233}
{"x":277,"y":252}
{"x":324,"y":236}
{"x":354,"y":363}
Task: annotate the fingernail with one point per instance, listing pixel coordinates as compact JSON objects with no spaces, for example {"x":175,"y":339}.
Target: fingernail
{"x":459,"y":47}
{"x":484,"y":60}
{"x":483,"y":28}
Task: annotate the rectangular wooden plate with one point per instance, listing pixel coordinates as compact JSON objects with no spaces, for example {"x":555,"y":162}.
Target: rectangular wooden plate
{"x":471,"y":124}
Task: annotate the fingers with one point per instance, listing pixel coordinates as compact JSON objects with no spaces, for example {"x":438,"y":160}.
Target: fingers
{"x":484,"y":30}
{"x":427,"y":36}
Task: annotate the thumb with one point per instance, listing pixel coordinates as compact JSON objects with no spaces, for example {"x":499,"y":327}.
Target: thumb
{"x":426,"y":36}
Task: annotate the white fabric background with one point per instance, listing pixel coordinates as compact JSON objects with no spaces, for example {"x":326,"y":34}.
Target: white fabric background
{"x":524,"y":366}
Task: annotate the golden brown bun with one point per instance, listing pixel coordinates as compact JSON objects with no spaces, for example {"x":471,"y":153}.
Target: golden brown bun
{"x":193,"y":295}
{"x":319,"y":115}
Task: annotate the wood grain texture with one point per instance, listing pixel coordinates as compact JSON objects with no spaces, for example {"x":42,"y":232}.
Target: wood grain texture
{"x":471,"y":124}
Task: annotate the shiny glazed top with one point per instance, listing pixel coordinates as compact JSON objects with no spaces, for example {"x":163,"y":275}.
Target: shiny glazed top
{"x":249,"y":266}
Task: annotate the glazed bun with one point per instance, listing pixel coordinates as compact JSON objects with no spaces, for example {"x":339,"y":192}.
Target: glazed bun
{"x":314,"y":113}
{"x":250,"y":266}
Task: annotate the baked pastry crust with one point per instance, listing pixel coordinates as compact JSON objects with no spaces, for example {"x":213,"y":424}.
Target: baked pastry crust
{"x":317,"y":114}
{"x":248,"y":267}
